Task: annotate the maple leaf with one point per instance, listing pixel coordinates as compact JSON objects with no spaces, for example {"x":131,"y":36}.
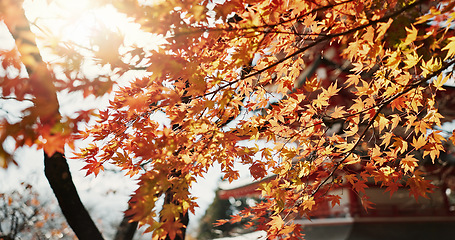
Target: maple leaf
{"x":359,"y":186}
{"x":411,"y":60}
{"x":400,"y":144}
{"x":172,"y":228}
{"x":386,"y":138}
{"x":451,"y":47}
{"x":382,"y":29}
{"x":398,"y":103}
{"x":93,"y":166}
{"x":334,"y":199}
{"x":332,"y":90}
{"x":419,"y":186}
{"x":439,"y":82}
{"x":430,"y":66}
{"x":395,"y":121}
{"x":433,"y":117}
{"x":353,"y":79}
{"x":392,"y":187}
{"x":276,"y":222}
{"x":321,"y":101}
{"x":220,"y":222}
{"x":351,"y":132}
{"x":418,"y":143}
{"x":307,"y":202}
{"x":394,"y":60}
{"x":411,"y":35}
{"x":376,"y":156}
{"x":338,"y":112}
{"x":351,"y":178}
{"x":366,"y":203}
{"x":409,"y":163}
{"x":381,"y":121}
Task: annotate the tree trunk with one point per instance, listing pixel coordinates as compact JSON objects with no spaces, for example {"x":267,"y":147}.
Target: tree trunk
{"x":184,"y":218}
{"x":56,"y":167}
{"x":126,"y":229}
{"x":59,"y":177}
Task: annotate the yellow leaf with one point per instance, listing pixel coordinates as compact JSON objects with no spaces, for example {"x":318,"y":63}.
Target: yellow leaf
{"x":418,"y":143}
{"x":409,"y":163}
{"x":411,"y":60}
{"x":307,"y":203}
{"x":451,"y":47}
{"x":431,"y":66}
{"x":439,"y":82}
{"x":386,"y":138}
{"x":346,"y":147}
{"x":338,"y":112}
{"x":352,"y":131}
{"x":332,"y":90}
{"x":276,"y":222}
{"x":394,"y":60}
{"x":382,"y":29}
{"x":381,"y":121}
{"x":395,"y":120}
{"x":411,"y":35}
{"x":400,"y":144}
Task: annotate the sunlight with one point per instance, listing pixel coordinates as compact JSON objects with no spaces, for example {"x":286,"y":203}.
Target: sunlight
{"x":79,"y":22}
{"x":88,"y":23}
{"x":73,"y":21}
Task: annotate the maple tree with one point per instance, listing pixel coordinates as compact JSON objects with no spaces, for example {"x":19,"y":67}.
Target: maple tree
{"x":32,"y":86}
{"x":234,"y":72}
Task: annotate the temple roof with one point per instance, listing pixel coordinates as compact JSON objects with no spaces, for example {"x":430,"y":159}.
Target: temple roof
{"x":241,"y":188}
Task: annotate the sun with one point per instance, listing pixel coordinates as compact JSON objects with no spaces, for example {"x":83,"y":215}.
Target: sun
{"x":73,"y":21}
{"x":83,"y":21}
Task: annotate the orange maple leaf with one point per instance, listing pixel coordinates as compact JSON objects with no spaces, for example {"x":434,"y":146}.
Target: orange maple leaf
{"x":409,"y":163}
{"x":418,"y":143}
{"x":360,"y":186}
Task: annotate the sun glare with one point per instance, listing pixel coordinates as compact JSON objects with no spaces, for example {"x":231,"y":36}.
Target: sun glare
{"x":80,"y":21}
{"x":76,"y":21}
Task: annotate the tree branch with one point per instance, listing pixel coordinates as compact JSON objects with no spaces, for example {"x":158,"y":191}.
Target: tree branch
{"x":126,"y":229}
{"x":317,"y":41}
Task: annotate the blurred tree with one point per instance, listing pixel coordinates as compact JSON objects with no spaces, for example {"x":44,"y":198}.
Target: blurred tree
{"x":222,"y":209}
{"x":24,"y":216}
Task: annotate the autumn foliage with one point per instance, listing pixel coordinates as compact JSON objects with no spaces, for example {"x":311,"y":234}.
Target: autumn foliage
{"x":234,"y":73}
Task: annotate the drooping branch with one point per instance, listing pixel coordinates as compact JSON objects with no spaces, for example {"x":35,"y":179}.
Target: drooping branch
{"x":265,"y":26}
{"x":380,"y":107}
{"x":322,"y":38}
